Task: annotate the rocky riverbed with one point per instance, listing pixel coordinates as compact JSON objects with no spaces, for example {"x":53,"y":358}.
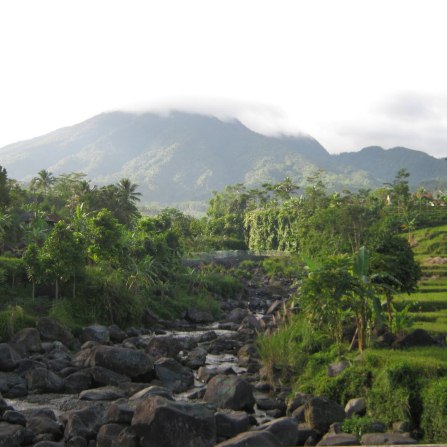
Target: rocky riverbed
{"x":188,"y":383}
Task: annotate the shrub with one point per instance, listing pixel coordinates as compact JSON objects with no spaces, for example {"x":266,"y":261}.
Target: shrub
{"x":14,"y":319}
{"x":434,"y":415}
{"x":359,"y":425}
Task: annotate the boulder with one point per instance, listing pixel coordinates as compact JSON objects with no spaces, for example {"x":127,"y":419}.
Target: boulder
{"x":285,"y":430}
{"x":83,"y":423}
{"x":11,"y":435}
{"x":418,"y":337}
{"x":159,"y":422}
{"x":206,"y":373}
{"x":174,"y":376}
{"x":247,"y":354}
{"x":45,"y":423}
{"x":51,"y":330}
{"x":297,"y":401}
{"x":130,"y":362}
{"x":12,"y":385}
{"x":9,"y":358}
{"x":386,"y":439}
{"x":237,"y":315}
{"x":198,"y":316}
{"x":195,"y":358}
{"x":95,"y":332}
{"x":104,"y":376}
{"x":107,"y":434}
{"x":29,"y":338}
{"x":163,"y":346}
{"x":103,"y":393}
{"x":116,"y":334}
{"x":42,"y":380}
{"x":251,"y":439}
{"x":119,"y":412}
{"x":320,"y":413}
{"x":14,"y":417}
{"x":339,"y":439}
{"x":152,"y":391}
{"x":356,"y":406}
{"x":229,"y":391}
{"x":334,"y":369}
{"x":126,"y":438}
{"x":77,"y":382}
{"x":232,"y":423}
{"x":267,"y":404}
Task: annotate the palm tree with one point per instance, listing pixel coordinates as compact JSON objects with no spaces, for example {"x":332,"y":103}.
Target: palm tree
{"x":127,"y":198}
{"x":44,"y":181}
{"x":128,"y":190}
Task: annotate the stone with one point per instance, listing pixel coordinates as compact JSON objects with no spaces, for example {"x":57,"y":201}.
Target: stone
{"x":14,"y":417}
{"x":230,"y":424}
{"x":229,"y":391}
{"x":119,"y":412}
{"x":131,"y":362}
{"x":386,"y":439}
{"x":51,"y":330}
{"x":29,"y":338}
{"x":237,"y":315}
{"x":339,"y":439}
{"x":77,"y":382}
{"x":42,"y":380}
{"x":159,"y":422}
{"x":95,"y":332}
{"x":267,"y":404}
{"x":107,"y":434}
{"x":42,"y":423}
{"x":284,"y":429}
{"x":11,"y":435}
{"x":163,"y":346}
{"x":84,"y":423}
{"x":126,"y":438}
{"x":116,"y":334}
{"x":12,"y":385}
{"x":418,"y":337}
{"x":247,"y":354}
{"x":320,"y":413}
{"x":195,"y":358}
{"x":104,"y":393}
{"x":206,"y":373}
{"x":334,"y":369}
{"x":104,"y":376}
{"x":49,"y":444}
{"x":198,"y":316}
{"x":174,"y":376}
{"x":152,"y":391}
{"x":9,"y":358}
{"x":251,"y":439}
{"x":297,"y":401}
{"x":355,"y":406}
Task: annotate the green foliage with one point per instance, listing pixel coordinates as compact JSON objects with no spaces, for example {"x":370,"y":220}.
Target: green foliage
{"x":434,"y":416}
{"x":12,"y":320}
{"x":283,"y":266}
{"x":12,"y":269}
{"x":359,"y":425}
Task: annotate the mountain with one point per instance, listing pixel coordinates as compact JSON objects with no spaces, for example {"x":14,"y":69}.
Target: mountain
{"x":182,"y":157}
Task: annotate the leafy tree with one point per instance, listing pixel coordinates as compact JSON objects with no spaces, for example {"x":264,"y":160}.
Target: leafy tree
{"x":33,"y":266}
{"x":63,"y":255}
{"x":43,"y":181}
{"x":4,"y":189}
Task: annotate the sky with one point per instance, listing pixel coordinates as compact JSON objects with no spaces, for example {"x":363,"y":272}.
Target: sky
{"x":350,"y":73}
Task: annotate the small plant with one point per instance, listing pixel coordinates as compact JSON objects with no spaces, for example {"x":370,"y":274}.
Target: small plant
{"x":12,"y":320}
{"x":359,"y":425}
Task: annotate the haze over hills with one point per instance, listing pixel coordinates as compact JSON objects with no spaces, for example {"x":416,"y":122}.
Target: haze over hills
{"x":182,"y":157}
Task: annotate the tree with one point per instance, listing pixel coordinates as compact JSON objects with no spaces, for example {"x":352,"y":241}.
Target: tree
{"x":63,"y":255}
{"x":33,"y":265}
{"x":397,"y":270}
{"x":4,"y":189}
{"x":43,"y":182}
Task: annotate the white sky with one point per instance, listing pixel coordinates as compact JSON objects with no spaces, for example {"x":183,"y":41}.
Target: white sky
{"x":351,"y":73}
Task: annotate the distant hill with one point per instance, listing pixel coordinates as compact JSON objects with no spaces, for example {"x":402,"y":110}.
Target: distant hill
{"x":182,"y":157}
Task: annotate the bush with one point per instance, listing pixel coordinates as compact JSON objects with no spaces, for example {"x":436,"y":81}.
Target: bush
{"x":359,"y":425}
{"x":434,"y":415}
{"x":283,"y":266}
{"x":12,"y":270}
{"x":12,"y":320}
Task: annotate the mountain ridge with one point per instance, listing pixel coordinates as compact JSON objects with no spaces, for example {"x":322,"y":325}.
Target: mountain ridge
{"x":180,"y":157}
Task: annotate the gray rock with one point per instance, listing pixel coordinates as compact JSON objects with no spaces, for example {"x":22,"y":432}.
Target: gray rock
{"x":41,"y":424}
{"x":251,"y":439}
{"x":11,"y":435}
{"x":119,"y":412}
{"x":195,"y":358}
{"x":12,"y":385}
{"x":159,"y":422}
{"x":418,"y":337}
{"x":152,"y":391}
{"x":104,"y":393}
{"x":9,"y":358}
{"x":386,"y":439}
{"x":84,"y":423}
{"x":77,"y":382}
{"x":284,"y":429}
{"x":116,"y":334}
{"x":126,"y":438}
{"x":174,"y":376}
{"x":355,"y":406}
{"x":230,"y":392}
{"x":230,"y":424}
{"x":320,"y":413}
{"x":130,"y":362}
{"x":163,"y":346}
{"x":339,"y":439}
{"x":51,"y":330}
{"x":95,"y":332}
{"x":14,"y":417}
{"x":237,"y":315}
{"x":104,"y":376}
{"x":198,"y":316}
{"x":334,"y":369}
{"x":107,"y":434}
{"x":297,"y":401}
{"x":42,"y":380}
{"x":29,"y":338}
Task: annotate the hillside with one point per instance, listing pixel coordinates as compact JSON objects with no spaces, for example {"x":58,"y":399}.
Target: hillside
{"x":183,"y":157}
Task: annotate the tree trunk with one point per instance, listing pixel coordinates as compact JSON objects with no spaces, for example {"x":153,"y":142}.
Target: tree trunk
{"x":33,"y":289}
{"x":57,"y":289}
{"x":389,"y":309}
